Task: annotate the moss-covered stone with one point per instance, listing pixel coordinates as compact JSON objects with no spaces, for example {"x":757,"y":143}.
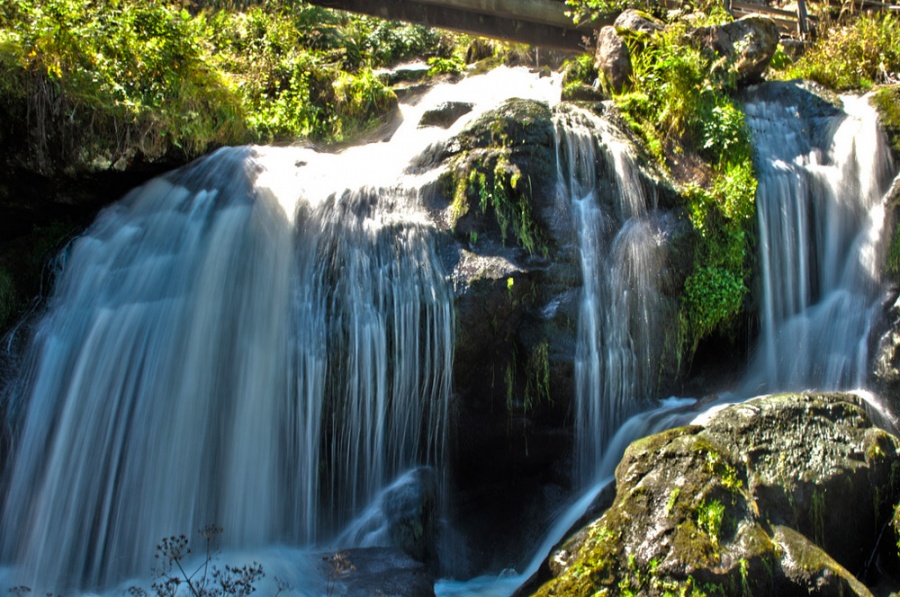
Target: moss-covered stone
{"x":887,"y":102}
{"x":500,"y":170}
{"x":779,"y":495}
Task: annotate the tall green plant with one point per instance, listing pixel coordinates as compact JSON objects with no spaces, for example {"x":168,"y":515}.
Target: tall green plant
{"x":679,"y":101}
{"x":851,"y":56}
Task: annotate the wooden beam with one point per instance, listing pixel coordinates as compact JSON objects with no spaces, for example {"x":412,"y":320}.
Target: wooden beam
{"x":541,"y":12}
{"x":437,"y":15}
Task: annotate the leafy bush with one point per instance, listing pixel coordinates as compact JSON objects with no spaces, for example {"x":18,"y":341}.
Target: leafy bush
{"x":160,"y":77}
{"x":851,"y":56}
{"x":590,"y":10}
{"x":679,"y":101}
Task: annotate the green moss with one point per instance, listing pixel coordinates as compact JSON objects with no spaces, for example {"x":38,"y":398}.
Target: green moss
{"x":887,"y":102}
{"x":710,"y":515}
{"x":488,"y":175}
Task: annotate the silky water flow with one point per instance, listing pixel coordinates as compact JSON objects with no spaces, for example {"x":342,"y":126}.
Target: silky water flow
{"x":264,"y":339}
{"x":820,"y":221}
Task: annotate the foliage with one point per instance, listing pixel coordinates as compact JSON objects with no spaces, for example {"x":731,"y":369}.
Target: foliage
{"x":578,"y":72}
{"x":133,"y":67}
{"x":887,"y":101}
{"x":439,"y":65}
{"x":854,"y":55}
{"x":710,"y":515}
{"x":537,"y":374}
{"x":679,"y":102}
{"x":487,"y":174}
{"x":591,"y":10}
{"x":165,"y":78}
{"x":498,"y":186}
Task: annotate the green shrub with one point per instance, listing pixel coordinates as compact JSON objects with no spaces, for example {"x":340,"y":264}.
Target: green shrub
{"x":91,"y":78}
{"x":679,"y":101}
{"x":853,"y":56}
{"x":590,"y":10}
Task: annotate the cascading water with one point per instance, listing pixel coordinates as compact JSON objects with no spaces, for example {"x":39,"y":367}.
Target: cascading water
{"x":620,"y":246}
{"x":264,"y":339}
{"x":203,"y":356}
{"x":618,"y":331}
{"x":820,"y":219}
{"x":261,"y":340}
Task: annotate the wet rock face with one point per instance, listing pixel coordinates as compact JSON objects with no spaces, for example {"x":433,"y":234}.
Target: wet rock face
{"x":638,"y":21}
{"x":445,"y":114}
{"x":517,"y":299}
{"x":886,"y":362}
{"x":780,"y":495}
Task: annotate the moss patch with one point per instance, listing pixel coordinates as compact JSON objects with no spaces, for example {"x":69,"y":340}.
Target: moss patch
{"x":887,"y":102}
{"x":488,"y":175}
{"x":756,"y":502}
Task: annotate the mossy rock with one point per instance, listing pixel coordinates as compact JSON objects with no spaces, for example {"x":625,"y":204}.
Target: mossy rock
{"x":502,"y":172}
{"x":887,"y":102}
{"x":779,"y":495}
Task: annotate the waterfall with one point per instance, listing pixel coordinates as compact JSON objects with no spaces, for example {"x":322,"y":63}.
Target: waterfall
{"x":619,"y":249}
{"x":207,"y":357}
{"x":820,"y":219}
{"x":821,"y":216}
{"x":262,"y":340}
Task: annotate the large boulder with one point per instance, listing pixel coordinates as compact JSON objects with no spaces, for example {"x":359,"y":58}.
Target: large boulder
{"x":613,"y":60}
{"x":781,"y":495}
{"x":511,"y":247}
{"x":748,"y":43}
{"x":637,"y":21}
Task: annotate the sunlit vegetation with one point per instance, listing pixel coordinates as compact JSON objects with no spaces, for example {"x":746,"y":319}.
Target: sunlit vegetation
{"x":163,"y":77}
{"x":852,"y":55}
{"x":679,"y":103}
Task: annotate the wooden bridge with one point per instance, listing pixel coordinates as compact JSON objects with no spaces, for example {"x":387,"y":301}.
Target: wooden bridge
{"x":544,"y":23}
{"x":537,"y":22}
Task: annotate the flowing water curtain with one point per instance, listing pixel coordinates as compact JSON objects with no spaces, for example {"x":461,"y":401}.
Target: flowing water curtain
{"x":820,"y":217}
{"x":187,"y":364}
{"x":136,"y":373}
{"x":618,"y":346}
{"x":391,"y":328}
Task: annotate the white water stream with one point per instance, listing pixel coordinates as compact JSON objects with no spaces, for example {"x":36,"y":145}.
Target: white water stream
{"x":262,"y":339}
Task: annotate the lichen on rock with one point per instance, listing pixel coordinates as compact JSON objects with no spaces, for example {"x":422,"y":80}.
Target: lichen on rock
{"x":778,"y":495}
